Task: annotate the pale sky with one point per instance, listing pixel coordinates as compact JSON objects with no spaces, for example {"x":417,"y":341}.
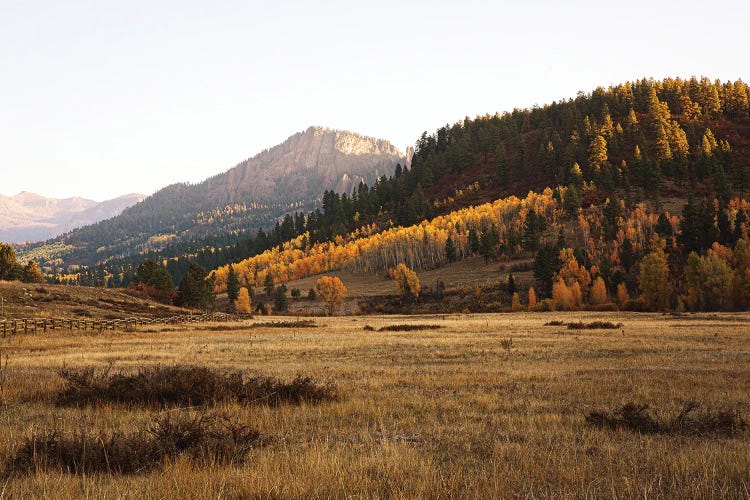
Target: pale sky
{"x":99,"y":98}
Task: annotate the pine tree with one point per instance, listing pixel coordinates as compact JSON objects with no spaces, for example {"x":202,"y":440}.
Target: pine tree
{"x":233,"y":285}
{"x":450,"y":250}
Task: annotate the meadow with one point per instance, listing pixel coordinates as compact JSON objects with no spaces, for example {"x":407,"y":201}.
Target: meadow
{"x":479,"y":406}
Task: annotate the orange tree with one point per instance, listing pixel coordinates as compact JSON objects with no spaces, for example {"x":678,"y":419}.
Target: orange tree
{"x":332,"y":291}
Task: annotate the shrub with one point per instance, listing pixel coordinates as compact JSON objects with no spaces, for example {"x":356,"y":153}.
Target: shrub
{"x":639,"y":418}
{"x":555,"y":322}
{"x":303,"y":323}
{"x":162,"y":386}
{"x":594,"y":325}
{"x":609,"y":306}
{"x":408,"y":328}
{"x":636,"y":305}
{"x":202,"y":437}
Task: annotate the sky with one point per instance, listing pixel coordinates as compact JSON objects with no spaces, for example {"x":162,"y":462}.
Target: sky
{"x":99,"y":99}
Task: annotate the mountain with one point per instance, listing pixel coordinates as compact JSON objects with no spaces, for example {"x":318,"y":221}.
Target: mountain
{"x":254,"y":194}
{"x":302,"y":167}
{"x":31,"y":217}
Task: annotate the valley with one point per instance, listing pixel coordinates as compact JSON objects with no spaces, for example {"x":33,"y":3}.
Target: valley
{"x":471,"y":405}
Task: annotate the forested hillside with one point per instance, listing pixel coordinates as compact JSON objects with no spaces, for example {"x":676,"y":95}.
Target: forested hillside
{"x":645,"y":168}
{"x":183,"y":220}
{"x":599,"y":230}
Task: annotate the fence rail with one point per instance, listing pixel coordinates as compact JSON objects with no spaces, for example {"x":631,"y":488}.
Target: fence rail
{"x":45,"y":325}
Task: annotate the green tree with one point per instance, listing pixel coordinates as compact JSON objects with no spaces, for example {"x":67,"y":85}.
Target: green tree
{"x":196,"y":289}
{"x":233,"y":284}
{"x":8,"y":264}
{"x":533,"y":228}
{"x":488,"y":243}
{"x":450,"y":250}
{"x":280,"y":299}
{"x":156,"y":280}
{"x":268,"y":284}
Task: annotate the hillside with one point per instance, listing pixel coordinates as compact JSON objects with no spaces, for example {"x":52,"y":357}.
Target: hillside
{"x":185,"y":218}
{"x":32,"y":217}
{"x":640,"y":193}
{"x":24,"y":300}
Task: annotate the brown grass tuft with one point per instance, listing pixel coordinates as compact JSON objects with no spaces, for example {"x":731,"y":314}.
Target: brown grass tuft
{"x":202,"y":437}
{"x":689,"y":422}
{"x":594,"y":325}
{"x":408,"y":328}
{"x":162,"y":386}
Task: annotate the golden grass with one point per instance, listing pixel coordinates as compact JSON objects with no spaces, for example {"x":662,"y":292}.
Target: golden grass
{"x":439,"y":413}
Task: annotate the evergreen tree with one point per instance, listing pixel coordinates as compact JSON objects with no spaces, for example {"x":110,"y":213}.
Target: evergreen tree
{"x":233,"y":284}
{"x":196,"y":289}
{"x":280,"y":299}
{"x":450,"y":250}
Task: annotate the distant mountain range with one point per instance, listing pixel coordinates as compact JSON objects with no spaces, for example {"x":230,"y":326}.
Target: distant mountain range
{"x":254,"y":194}
{"x":32,"y":217}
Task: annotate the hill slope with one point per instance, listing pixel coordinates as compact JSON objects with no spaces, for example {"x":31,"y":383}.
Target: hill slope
{"x":253,"y":194}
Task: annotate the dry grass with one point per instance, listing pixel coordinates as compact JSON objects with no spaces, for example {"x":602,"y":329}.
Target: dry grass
{"x":440,"y":413}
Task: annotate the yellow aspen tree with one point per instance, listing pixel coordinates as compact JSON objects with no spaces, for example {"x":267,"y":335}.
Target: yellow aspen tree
{"x":243,"y":304}
{"x":332,"y":291}
{"x":407,"y":282}
{"x":515,"y":304}
{"x":622,"y":293}
{"x":532,"y":298}
{"x":598,"y":291}
{"x":562,"y":296}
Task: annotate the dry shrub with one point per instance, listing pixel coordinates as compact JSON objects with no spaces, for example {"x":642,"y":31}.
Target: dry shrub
{"x":162,"y":386}
{"x":202,"y":437}
{"x":555,"y":322}
{"x":408,"y":328}
{"x":303,"y":323}
{"x":594,"y":325}
{"x":689,"y":422}
{"x":608,"y":306}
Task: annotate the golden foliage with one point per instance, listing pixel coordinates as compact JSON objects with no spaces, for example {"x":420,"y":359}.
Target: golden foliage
{"x":598,"y":291}
{"x":515,"y":303}
{"x":243,"y":304}
{"x":407,"y":282}
{"x":532,"y":298}
{"x":421,"y":246}
{"x":332,"y":291}
{"x":562,"y":296}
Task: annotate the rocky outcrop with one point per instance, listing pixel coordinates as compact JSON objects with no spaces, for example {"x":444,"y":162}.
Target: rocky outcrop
{"x":304,"y":166}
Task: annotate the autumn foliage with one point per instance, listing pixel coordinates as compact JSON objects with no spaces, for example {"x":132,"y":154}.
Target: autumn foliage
{"x":332,"y":291}
{"x":407,"y":282}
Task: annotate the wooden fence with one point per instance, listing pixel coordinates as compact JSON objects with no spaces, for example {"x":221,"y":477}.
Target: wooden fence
{"x":44,"y":325}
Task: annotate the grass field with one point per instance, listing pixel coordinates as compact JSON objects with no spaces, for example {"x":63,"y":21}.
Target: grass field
{"x":481,"y":406}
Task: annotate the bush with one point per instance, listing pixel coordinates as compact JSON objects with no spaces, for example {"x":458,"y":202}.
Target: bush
{"x":638,"y":418}
{"x":303,"y":323}
{"x":594,"y":325}
{"x":555,"y":322}
{"x":609,"y":306}
{"x":162,"y":386}
{"x":636,"y":305}
{"x":407,"y":328}
{"x":202,"y":437}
